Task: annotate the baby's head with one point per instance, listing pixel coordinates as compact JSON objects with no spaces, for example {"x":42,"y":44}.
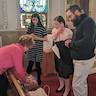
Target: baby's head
{"x":31,"y":84}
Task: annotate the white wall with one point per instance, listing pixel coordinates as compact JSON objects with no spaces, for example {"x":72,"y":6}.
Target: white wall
{"x":13,"y":14}
{"x":3,"y":15}
{"x":9,"y":15}
{"x":56,"y":8}
{"x":11,"y":11}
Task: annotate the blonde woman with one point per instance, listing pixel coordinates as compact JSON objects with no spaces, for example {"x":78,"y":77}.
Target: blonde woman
{"x":11,"y":57}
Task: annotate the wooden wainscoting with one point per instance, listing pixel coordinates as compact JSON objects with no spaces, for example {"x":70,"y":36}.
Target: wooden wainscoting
{"x":48,"y":65}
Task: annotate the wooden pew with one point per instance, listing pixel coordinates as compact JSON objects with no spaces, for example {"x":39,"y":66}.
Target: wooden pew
{"x":16,"y":84}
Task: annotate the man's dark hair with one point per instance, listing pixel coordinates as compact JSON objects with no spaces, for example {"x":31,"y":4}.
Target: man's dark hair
{"x":73,"y":8}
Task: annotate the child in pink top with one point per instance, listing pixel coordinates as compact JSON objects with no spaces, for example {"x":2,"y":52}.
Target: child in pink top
{"x":11,"y":58}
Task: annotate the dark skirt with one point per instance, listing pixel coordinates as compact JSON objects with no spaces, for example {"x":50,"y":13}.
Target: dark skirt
{"x":64,"y":66}
{"x":4,"y":84}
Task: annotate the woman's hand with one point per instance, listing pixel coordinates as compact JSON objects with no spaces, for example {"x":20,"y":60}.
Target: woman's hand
{"x":45,"y":38}
{"x":67,"y":42}
{"x":58,"y":32}
{"x":35,"y":37}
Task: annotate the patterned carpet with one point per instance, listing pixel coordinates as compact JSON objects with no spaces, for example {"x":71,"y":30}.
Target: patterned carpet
{"x":51,"y":80}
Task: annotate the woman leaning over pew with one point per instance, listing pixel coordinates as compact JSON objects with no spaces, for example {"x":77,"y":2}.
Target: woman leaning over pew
{"x":11,"y":57}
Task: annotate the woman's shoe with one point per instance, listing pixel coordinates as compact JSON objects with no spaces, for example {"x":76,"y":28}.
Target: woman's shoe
{"x":62,"y":89}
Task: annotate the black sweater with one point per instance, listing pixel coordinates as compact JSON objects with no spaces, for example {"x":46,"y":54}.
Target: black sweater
{"x":82,"y":46}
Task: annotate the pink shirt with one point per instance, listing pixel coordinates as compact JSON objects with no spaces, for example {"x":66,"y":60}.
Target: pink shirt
{"x":11,"y":57}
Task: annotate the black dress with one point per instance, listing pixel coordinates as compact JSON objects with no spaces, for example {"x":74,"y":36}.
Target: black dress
{"x":64,"y":65}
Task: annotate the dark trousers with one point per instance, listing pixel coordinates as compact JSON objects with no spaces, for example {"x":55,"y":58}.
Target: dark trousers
{"x":38,"y":70}
{"x":3,"y":85}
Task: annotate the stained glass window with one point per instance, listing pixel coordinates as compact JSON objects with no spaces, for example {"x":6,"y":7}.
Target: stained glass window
{"x":40,"y":6}
{"x":28,"y":7}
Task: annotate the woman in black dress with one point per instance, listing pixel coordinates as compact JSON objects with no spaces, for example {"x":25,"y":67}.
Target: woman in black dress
{"x":62,"y":37}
